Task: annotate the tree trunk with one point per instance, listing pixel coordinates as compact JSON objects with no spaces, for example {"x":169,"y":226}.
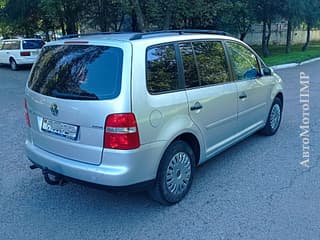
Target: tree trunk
{"x":243,"y":27}
{"x":289,"y":30}
{"x":265,"y":50}
{"x":168,"y":15}
{"x":242,"y":36}
{"x":70,"y":16}
{"x":244,"y":33}
{"x":71,"y":27}
{"x":47,"y":35}
{"x":269,"y":33}
{"x":306,"y":45}
{"x":139,"y":18}
{"x":63,"y":29}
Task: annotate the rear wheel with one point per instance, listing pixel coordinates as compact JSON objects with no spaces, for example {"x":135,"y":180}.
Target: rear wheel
{"x":274,"y":118}
{"x":13,"y":64}
{"x":175,"y":174}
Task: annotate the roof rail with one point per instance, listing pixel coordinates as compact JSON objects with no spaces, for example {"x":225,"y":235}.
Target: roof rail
{"x":179,"y":32}
{"x":89,"y":34}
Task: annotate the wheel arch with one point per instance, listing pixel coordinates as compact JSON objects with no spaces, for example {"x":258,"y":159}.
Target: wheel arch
{"x":280,"y":96}
{"x":11,"y":58}
{"x":193,"y":142}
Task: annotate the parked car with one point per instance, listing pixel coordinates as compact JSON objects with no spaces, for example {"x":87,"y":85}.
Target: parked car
{"x":144,"y":109}
{"x":18,"y":52}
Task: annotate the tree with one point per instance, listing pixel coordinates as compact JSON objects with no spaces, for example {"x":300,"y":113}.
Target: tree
{"x":239,"y":18}
{"x":311,"y":18}
{"x":107,"y":14}
{"x":138,"y":16}
{"x":292,"y":10}
{"x":22,"y":15}
{"x":265,"y":12}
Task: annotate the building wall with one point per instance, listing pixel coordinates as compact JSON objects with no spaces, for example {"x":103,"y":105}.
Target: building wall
{"x":279,"y":34}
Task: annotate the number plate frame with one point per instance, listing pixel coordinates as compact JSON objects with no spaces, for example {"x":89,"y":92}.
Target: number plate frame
{"x":61,"y":129}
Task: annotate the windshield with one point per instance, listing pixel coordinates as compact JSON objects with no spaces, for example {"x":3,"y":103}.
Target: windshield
{"x":82,"y":72}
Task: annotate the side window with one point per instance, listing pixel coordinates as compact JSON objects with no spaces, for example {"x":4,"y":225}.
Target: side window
{"x":211,"y":62}
{"x":190,"y":68}
{"x":15,"y":45}
{"x":162,"y":71}
{"x":1,"y":45}
{"x":244,"y":62}
{"x":6,"y":46}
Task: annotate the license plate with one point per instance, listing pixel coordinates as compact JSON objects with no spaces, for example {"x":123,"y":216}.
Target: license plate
{"x":61,"y":129}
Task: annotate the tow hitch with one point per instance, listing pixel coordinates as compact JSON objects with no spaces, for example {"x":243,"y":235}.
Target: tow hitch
{"x":50,"y":177}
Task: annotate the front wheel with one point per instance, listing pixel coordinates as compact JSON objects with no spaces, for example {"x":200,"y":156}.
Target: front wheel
{"x":175,"y":174}
{"x":274,"y":118}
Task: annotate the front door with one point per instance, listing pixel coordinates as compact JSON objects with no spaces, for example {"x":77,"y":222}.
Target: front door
{"x":253,"y":89}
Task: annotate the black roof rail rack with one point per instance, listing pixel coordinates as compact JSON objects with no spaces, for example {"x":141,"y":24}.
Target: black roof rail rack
{"x":89,"y":34}
{"x":179,"y":32}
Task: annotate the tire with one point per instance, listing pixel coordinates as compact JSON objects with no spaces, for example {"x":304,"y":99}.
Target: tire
{"x":13,"y":65}
{"x":175,"y":174}
{"x":274,"y":118}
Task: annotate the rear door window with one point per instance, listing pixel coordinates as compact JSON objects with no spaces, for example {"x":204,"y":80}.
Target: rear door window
{"x":204,"y":63}
{"x":78,"y":72}
{"x":212,"y":64}
{"x":189,"y":66}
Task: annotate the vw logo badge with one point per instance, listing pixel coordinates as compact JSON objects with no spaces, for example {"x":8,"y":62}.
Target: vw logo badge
{"x":54,"y":109}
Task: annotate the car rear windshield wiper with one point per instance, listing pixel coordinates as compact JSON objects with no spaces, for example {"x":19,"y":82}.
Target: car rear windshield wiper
{"x":86,"y":96}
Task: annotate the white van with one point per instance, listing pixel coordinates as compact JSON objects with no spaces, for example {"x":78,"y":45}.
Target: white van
{"x":22,"y":51}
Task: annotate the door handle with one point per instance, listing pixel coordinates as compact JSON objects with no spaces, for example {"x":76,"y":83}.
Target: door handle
{"x":243,"y":96}
{"x":196,"y":106}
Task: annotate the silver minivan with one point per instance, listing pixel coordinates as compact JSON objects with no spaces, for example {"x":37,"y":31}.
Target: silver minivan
{"x":142,"y":110}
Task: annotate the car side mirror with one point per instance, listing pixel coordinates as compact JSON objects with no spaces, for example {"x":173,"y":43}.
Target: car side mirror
{"x":267,"y":71}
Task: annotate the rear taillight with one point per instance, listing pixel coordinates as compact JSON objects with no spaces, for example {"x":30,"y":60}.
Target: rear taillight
{"x":26,"y":114}
{"x":121,"y":132}
{"x":25,"y":54}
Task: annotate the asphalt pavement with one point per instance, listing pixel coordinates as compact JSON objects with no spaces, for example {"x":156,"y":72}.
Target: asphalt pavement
{"x":258,"y":189}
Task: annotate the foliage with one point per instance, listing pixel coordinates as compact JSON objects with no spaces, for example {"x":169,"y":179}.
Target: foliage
{"x":27,"y":17}
{"x":236,"y":16}
{"x":311,"y":18}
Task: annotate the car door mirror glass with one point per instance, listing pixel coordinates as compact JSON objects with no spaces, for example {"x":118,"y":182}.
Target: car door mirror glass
{"x":267,"y":71}
{"x":251,"y":74}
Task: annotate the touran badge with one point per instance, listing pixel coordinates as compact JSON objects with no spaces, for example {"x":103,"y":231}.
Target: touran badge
{"x":54,"y":109}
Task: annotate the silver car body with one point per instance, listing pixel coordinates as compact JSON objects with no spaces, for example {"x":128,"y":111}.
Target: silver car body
{"x":161,"y":118}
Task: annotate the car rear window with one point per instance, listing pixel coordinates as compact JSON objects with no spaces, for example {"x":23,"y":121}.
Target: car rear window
{"x":83,"y":72}
{"x":32,"y":44}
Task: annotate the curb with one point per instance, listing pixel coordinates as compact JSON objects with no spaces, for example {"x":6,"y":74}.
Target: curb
{"x":290,"y":65}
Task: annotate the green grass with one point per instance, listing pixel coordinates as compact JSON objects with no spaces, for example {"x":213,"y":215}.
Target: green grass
{"x":278,"y":55}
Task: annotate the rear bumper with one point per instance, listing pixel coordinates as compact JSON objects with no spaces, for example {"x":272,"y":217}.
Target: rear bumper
{"x":25,"y":60}
{"x":118,"y":169}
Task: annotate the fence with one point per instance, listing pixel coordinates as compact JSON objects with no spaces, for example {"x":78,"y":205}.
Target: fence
{"x":280,"y":37}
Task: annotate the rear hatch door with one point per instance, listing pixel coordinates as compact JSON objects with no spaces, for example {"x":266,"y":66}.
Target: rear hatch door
{"x":72,"y":88}
{"x":31,"y":47}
